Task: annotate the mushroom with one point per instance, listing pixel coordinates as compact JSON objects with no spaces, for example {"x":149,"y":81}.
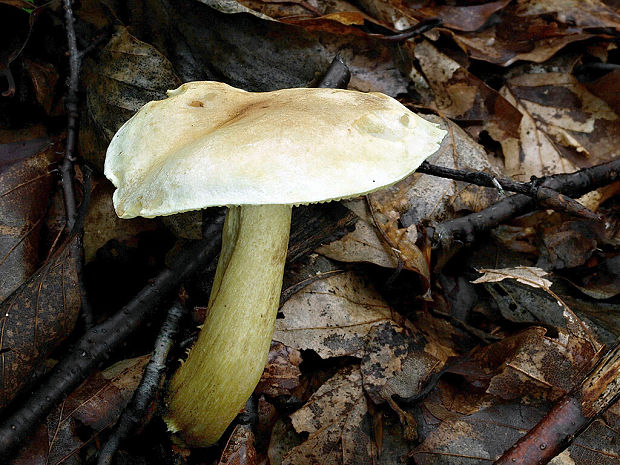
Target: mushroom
{"x":209,"y":144}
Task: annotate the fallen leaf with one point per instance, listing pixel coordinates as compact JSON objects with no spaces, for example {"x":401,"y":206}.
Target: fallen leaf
{"x":281,"y":375}
{"x":583,"y":13}
{"x":331,"y":316}
{"x":94,"y":406}
{"x":529,"y":275}
{"x":563,"y":127}
{"x":337,"y":419}
{"x":44,"y":77}
{"x":36,"y":318}
{"x":103,"y":224}
{"x":462,"y":18}
{"x":26,"y":181}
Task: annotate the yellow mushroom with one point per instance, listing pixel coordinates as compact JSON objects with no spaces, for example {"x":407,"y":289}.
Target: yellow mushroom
{"x":209,"y":144}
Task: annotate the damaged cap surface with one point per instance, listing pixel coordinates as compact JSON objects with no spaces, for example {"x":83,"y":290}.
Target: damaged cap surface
{"x":209,"y":144}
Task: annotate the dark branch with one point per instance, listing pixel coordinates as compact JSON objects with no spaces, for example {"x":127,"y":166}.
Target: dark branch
{"x":466,"y":229}
{"x":136,"y":413}
{"x":546,"y":197}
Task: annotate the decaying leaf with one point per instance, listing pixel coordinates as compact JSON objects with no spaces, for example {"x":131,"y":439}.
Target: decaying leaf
{"x":36,"y":318}
{"x":26,"y":180}
{"x":84,"y":415}
{"x":331,"y":316}
{"x":337,"y":419}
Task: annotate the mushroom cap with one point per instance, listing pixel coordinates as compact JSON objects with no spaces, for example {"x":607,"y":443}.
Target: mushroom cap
{"x":210,"y":144}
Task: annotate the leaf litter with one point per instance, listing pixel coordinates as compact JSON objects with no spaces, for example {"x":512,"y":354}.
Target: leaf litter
{"x":359,"y":374}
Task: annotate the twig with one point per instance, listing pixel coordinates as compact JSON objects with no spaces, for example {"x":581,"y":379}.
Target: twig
{"x":136,"y":412}
{"x":100,"y":341}
{"x":546,"y":197}
{"x":67,"y":168}
{"x":414,"y":31}
{"x":465,"y":230}
{"x":570,"y":415}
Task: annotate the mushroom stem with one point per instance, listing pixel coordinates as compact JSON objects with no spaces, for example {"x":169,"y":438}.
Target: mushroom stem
{"x":226,"y":363}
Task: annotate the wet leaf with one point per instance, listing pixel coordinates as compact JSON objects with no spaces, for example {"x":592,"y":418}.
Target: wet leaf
{"x":331,"y":316}
{"x":129,"y":74}
{"x":94,"y":406}
{"x":26,"y":181}
{"x":36,"y":318}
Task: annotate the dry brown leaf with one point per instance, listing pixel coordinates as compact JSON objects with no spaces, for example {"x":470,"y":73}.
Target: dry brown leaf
{"x":563,"y":127}
{"x":44,"y":77}
{"x":26,"y":180}
{"x":336,"y":418}
{"x":331,"y":316}
{"x":607,"y":88}
{"x":458,"y":17}
{"x":94,"y":406}
{"x":361,"y":245}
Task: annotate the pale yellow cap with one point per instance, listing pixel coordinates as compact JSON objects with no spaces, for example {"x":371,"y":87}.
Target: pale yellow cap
{"x":210,"y":144}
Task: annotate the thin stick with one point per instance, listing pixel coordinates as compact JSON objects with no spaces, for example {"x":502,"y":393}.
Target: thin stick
{"x":136,"y":414}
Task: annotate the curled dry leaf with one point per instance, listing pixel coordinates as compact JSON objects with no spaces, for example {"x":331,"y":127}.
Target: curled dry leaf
{"x":331,"y":316}
{"x":129,"y":74}
{"x":36,"y":318}
{"x":94,"y":406}
{"x":26,"y":180}
{"x":563,"y":127}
